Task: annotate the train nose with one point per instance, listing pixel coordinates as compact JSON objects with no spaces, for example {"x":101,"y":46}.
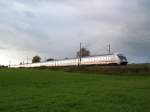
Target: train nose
{"x":123,"y":60}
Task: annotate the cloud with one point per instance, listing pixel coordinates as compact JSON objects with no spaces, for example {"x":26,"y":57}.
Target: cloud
{"x":55,"y":28}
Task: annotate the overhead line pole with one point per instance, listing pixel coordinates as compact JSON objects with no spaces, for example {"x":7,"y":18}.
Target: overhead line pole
{"x":9,"y":63}
{"x":80,"y":53}
{"x":109,"y":49}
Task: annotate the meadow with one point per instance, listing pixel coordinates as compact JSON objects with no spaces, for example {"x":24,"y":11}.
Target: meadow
{"x":33,"y":90}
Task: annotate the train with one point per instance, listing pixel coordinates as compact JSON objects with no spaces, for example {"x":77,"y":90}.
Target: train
{"x":105,"y":59}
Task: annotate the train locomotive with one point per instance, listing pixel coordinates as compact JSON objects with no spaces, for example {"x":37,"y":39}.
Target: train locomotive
{"x":106,"y":59}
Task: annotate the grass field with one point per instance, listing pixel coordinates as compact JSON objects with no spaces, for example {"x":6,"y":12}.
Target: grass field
{"x":56,"y":91}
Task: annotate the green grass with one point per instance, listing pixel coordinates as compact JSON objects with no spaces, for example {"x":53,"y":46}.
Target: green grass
{"x":56,"y":91}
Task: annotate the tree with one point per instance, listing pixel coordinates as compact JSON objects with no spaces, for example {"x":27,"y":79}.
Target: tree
{"x":36,"y":59}
{"x":83,"y":52}
{"x":50,"y":59}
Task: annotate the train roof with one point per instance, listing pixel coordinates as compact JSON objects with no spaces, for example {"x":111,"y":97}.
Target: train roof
{"x":83,"y":57}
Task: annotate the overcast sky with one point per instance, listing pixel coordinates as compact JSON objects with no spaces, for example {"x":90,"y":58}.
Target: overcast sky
{"x":54,"y":28}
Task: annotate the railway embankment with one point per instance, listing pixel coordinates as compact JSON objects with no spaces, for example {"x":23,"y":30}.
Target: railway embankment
{"x":120,"y":70}
{"x":130,"y":69}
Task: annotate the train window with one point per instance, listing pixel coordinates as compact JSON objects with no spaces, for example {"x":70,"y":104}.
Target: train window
{"x":104,"y":58}
{"x":107,"y":58}
{"x":110,"y":58}
{"x":100,"y":58}
{"x":122,"y":57}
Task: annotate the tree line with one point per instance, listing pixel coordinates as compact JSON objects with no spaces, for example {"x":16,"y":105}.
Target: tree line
{"x":83,"y":52}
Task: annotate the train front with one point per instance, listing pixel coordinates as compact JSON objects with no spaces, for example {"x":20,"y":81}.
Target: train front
{"x":122,"y":58}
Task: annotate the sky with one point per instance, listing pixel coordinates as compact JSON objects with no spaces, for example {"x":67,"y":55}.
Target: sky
{"x":54,"y":28}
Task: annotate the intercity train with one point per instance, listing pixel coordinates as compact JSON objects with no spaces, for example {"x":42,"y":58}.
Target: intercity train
{"x":105,"y":59}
